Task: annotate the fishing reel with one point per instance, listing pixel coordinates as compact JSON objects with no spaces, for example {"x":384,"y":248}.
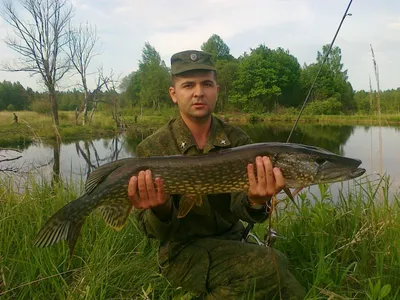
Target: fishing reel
{"x":270,"y":237}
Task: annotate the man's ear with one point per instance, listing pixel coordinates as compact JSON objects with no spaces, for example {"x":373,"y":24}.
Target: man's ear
{"x":172,"y":94}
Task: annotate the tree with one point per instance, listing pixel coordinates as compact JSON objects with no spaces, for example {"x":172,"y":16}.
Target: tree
{"x":217,"y":47}
{"x":332,"y":82}
{"x":149,"y":84}
{"x":333,"y":61}
{"x":123,"y":86}
{"x":82,"y":43}
{"x":227,"y":71}
{"x":13,"y":96}
{"x":133,"y":89}
{"x":264,"y":78}
{"x":40,"y":41}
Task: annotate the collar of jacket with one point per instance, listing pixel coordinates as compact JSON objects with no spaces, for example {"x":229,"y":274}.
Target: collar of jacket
{"x":185,"y":139}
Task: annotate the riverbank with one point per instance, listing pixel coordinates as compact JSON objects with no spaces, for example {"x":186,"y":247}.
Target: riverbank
{"x":33,"y":126}
{"x":341,"y":248}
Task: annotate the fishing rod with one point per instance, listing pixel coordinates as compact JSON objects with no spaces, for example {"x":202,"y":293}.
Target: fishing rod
{"x":269,"y":230}
{"x":319,"y":71}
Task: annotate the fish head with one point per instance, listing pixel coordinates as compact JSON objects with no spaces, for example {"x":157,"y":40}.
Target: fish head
{"x":329,"y":168}
{"x":304,"y":165}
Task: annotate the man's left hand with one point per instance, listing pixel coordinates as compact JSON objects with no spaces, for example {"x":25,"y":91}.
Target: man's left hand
{"x":268,"y":183}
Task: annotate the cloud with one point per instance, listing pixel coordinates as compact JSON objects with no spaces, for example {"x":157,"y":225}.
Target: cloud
{"x":302,"y":26}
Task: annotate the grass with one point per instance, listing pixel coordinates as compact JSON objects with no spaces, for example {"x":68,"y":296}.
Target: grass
{"x":33,"y":126}
{"x":356,"y":119}
{"x":345,"y":248}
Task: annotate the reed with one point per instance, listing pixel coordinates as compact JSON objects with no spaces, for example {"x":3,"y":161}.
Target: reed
{"x":345,"y":247}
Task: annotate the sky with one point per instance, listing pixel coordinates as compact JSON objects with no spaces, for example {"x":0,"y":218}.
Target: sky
{"x":300,"y":26}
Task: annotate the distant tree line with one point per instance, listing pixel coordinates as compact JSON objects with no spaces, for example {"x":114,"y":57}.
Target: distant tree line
{"x":263,"y":80}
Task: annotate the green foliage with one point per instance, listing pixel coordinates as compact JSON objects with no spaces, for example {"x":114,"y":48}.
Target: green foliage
{"x":149,"y":84}
{"x":344,"y":247}
{"x":262,"y":81}
{"x":41,"y":106}
{"x":13,"y":96}
{"x":331,"y":83}
{"x":217,"y":47}
{"x":377,"y":292}
{"x":330,"y":106}
{"x":264,"y":77}
{"x":123,"y":86}
{"x":70,"y":100}
{"x":367,"y":101}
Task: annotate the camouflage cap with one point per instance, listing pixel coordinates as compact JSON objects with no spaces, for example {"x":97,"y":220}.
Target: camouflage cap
{"x":191,"y":60}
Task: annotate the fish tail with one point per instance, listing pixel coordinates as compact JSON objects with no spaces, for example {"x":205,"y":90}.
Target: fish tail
{"x":65,"y":224}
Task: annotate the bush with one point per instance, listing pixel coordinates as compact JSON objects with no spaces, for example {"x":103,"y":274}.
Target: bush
{"x":330,"y":106}
{"x":41,"y":107}
{"x":10,"y":107}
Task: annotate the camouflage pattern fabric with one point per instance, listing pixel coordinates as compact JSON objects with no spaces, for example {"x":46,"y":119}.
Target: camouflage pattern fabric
{"x":202,"y":252}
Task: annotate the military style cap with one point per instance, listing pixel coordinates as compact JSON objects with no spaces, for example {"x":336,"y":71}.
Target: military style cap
{"x":191,"y":60}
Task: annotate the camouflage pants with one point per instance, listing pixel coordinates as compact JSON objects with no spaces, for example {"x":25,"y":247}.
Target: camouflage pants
{"x":229,"y":269}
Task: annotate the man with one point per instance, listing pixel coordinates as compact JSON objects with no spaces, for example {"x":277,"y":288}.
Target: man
{"x":203,"y":252}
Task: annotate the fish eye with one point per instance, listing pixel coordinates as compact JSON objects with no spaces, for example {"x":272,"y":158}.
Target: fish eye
{"x":320,"y":160}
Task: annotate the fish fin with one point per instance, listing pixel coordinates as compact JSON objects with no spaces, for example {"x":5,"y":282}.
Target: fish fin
{"x":98,"y":175}
{"x":198,"y":200}
{"x":296,"y":191}
{"x":116,"y":213}
{"x":61,"y":227}
{"x":289,"y":194}
{"x":186,"y":203}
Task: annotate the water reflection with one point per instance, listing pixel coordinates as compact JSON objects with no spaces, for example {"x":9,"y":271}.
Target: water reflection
{"x":329,"y":137}
{"x":77,"y":159}
{"x":56,"y":163}
{"x":89,"y":153}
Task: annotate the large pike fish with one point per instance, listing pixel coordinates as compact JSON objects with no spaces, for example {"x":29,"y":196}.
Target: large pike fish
{"x":220,"y":172}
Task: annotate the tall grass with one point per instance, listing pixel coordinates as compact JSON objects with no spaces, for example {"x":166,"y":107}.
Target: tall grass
{"x":345,"y":247}
{"x":109,"y":264}
{"x":341,"y":248}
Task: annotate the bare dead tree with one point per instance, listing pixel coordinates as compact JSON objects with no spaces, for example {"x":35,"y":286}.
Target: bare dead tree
{"x":8,"y":155}
{"x":110,"y":87}
{"x":89,"y":147}
{"x":40,"y":40}
{"x":102,"y":81}
{"x":82,"y":43}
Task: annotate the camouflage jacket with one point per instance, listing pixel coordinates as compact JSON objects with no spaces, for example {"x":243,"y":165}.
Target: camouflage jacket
{"x":220,"y":215}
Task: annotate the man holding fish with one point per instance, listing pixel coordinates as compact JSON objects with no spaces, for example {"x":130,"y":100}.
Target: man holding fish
{"x":200,"y":236}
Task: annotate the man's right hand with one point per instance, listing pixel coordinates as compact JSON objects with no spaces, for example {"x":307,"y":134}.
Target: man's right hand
{"x":144,"y":195}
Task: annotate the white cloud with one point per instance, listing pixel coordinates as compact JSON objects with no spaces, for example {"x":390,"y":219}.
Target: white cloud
{"x":302,"y":26}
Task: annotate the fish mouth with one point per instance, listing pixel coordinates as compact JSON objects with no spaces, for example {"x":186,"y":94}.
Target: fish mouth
{"x":357,"y":172}
{"x":341,"y":174}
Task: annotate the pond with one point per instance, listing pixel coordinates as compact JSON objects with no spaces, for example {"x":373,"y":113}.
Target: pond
{"x":74,"y":160}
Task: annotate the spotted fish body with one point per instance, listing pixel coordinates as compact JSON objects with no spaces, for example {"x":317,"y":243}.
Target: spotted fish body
{"x":213,"y":173}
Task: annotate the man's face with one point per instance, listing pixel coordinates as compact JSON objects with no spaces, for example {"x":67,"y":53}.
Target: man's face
{"x":196,"y":94}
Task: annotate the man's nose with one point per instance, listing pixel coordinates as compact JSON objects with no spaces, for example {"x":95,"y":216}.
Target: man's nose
{"x":198,"y":90}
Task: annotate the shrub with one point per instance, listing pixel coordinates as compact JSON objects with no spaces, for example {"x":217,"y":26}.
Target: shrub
{"x":41,"y":107}
{"x":330,"y":106}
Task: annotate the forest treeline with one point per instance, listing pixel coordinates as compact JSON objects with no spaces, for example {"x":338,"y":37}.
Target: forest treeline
{"x":260,"y":81}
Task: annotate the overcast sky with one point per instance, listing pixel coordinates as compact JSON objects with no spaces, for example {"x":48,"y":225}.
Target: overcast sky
{"x":301,"y":26}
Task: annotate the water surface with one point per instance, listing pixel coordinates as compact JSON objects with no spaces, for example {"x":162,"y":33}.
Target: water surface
{"x":76,"y":159}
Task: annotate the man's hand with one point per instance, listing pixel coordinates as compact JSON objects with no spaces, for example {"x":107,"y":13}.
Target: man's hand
{"x":268,"y":183}
{"x":144,"y":195}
